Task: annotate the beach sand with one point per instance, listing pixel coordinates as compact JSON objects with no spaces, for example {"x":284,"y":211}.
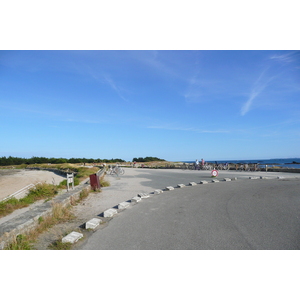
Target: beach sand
{"x":12,"y":180}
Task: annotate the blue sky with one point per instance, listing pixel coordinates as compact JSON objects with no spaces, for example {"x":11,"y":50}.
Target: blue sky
{"x":175,"y":105}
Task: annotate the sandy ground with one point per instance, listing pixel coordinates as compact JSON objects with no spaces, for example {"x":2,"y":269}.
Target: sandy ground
{"x":13,"y":180}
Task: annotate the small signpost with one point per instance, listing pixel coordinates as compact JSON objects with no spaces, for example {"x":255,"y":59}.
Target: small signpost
{"x":214,"y":173}
{"x":70,"y":180}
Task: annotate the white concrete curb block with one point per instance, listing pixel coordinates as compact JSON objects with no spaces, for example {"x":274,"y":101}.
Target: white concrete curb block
{"x":181,"y":185}
{"x":253,"y":177}
{"x":192,"y":183}
{"x":136,"y":199}
{"x":110,"y":213}
{"x":123,"y":205}
{"x":280,"y":177}
{"x":156,"y":192}
{"x":227,"y":179}
{"x":215,"y":180}
{"x":72,"y":237}
{"x":93,"y":223}
{"x":143,"y":195}
{"x":170,"y":188}
{"x":203,"y":182}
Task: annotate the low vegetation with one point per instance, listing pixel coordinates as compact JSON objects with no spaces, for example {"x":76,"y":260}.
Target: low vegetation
{"x":146,"y":159}
{"x":59,"y":245}
{"x":59,"y":214}
{"x":39,"y":192}
{"x":10,"y":160}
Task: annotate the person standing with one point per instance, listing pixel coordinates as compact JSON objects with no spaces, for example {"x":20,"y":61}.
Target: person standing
{"x":197,"y":165}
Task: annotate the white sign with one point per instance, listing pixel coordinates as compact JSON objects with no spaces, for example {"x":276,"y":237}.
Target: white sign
{"x":214,"y":173}
{"x":70,"y":180}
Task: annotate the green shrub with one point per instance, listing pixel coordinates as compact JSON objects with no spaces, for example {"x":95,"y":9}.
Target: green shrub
{"x":20,"y":243}
{"x":42,"y":191}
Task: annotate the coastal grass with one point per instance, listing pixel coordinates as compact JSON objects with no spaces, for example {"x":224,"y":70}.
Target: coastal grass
{"x":59,"y":214}
{"x":59,"y":245}
{"x":40,"y":191}
{"x":47,"y":191}
{"x":104,"y":183}
{"x":80,"y":174}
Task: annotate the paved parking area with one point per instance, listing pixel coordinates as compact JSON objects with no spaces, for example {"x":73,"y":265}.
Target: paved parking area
{"x":241,"y":214}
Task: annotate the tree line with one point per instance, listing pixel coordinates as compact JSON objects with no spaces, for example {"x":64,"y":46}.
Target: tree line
{"x":8,"y":161}
{"x":146,"y":159}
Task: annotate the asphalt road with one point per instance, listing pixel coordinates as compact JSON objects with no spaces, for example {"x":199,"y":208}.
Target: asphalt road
{"x":242,"y":214}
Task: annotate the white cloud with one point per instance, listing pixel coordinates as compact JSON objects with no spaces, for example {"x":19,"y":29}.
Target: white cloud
{"x":285,"y":58}
{"x":114,"y":86}
{"x":258,"y":87}
{"x":171,"y":127}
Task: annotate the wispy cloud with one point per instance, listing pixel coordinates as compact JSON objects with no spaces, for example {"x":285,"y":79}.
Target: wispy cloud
{"x":193,"y":93}
{"x":176,"y":128}
{"x":286,"y":57}
{"x":114,"y":86}
{"x":152,"y":59}
{"x":258,"y":87}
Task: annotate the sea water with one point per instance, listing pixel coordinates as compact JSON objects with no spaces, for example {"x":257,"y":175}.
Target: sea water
{"x":280,"y":162}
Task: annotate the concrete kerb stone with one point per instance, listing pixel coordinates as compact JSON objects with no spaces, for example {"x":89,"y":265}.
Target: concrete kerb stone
{"x":215,"y":180}
{"x":143,"y":195}
{"x":192,"y":183}
{"x":109,"y":213}
{"x":180,"y":185}
{"x":93,"y":223}
{"x":169,"y":188}
{"x":226,"y":179}
{"x":72,"y":237}
{"x":253,"y":177}
{"x":136,"y":199}
{"x":158,"y":191}
{"x":123,"y":205}
{"x":203,"y":182}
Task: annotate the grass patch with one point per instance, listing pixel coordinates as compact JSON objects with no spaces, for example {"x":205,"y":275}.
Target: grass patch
{"x":59,"y":245}
{"x":83,"y":194}
{"x":83,"y":172}
{"x":20,"y":242}
{"x":104,"y":183}
{"x":39,"y":192}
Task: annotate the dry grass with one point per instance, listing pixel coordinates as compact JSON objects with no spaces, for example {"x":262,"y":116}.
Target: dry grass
{"x":59,"y":214}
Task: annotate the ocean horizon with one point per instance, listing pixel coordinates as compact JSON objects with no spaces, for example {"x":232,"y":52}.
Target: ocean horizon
{"x":280,"y":162}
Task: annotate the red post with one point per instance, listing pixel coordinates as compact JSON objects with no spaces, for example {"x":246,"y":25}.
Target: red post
{"x":95,"y":182}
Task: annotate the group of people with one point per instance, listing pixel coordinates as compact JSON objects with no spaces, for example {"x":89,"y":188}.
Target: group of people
{"x":197,"y":164}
